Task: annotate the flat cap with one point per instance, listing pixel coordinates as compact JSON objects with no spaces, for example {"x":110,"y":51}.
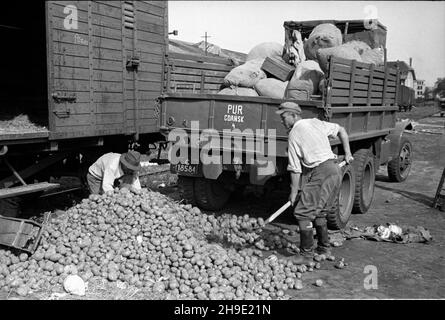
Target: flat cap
{"x":288,"y":106}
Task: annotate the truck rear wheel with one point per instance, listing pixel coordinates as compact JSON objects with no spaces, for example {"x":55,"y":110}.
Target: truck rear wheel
{"x":187,"y":189}
{"x":338,"y":218}
{"x":210,"y":194}
{"x":399,"y":168}
{"x":364,"y":169}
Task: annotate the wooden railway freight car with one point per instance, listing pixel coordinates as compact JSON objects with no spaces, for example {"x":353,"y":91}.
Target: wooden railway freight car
{"x":84,"y":68}
{"x":81,"y":79}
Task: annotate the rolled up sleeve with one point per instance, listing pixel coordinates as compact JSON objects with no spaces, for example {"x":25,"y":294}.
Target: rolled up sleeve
{"x":294,"y":164}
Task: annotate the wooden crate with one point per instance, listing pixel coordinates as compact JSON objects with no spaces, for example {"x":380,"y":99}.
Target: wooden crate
{"x":278,"y":68}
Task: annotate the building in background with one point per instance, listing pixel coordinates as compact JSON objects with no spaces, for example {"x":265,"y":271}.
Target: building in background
{"x":420,"y":89}
{"x":407,"y":91}
{"x":407,"y":74}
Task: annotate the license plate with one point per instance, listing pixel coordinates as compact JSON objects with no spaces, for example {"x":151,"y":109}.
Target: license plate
{"x":187,"y":169}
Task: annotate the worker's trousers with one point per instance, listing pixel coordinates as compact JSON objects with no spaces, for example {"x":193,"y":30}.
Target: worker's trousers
{"x":94,"y":184}
{"x":319,"y":193}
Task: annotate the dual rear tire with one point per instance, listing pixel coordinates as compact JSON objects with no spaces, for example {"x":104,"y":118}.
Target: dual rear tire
{"x":356,"y":191}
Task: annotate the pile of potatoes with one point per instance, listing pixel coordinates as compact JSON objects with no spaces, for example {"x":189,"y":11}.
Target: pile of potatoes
{"x":148,"y":241}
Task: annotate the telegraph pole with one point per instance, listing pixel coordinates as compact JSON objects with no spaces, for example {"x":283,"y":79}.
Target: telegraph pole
{"x":206,"y":36}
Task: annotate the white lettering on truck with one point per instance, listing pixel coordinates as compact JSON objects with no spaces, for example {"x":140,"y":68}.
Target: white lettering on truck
{"x":234,"y":113}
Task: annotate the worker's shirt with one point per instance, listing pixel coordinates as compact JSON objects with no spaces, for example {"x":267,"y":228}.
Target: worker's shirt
{"x":309,"y":143}
{"x":107,"y":168}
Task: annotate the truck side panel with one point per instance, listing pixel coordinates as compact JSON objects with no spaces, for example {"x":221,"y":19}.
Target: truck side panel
{"x":96,"y":93}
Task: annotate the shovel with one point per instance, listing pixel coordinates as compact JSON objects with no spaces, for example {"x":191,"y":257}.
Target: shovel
{"x":286,"y":205}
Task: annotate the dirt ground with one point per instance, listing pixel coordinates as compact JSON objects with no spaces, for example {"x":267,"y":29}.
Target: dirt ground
{"x":404,"y":271}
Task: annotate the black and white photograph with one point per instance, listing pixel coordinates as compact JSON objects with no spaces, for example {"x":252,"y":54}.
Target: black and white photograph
{"x":197,"y":153}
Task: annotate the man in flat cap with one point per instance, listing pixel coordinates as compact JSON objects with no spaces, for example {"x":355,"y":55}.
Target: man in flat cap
{"x":312,"y":160}
{"x":113,"y":166}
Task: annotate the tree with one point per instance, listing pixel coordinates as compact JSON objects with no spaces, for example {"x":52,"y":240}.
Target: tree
{"x":439,"y":86}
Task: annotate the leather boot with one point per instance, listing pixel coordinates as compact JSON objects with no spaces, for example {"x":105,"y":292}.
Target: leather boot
{"x":323,"y":244}
{"x":306,"y":245}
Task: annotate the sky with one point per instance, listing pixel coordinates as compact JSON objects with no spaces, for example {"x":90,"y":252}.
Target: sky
{"x":414,"y":28}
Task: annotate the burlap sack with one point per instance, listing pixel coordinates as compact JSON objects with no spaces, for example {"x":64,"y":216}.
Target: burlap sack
{"x":358,"y":46}
{"x":239,"y":91}
{"x":374,"y":56}
{"x":299,"y":89}
{"x":325,"y":35}
{"x":305,"y":81}
{"x":272,"y":88}
{"x":345,"y":52}
{"x":306,"y":66}
{"x":265,"y":50}
{"x":246,"y":75}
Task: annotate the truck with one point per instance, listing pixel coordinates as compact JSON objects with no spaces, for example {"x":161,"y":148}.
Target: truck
{"x":358,"y":96}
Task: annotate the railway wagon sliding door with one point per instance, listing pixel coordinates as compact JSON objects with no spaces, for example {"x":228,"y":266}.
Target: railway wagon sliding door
{"x":145,"y":42}
{"x":104,"y":66}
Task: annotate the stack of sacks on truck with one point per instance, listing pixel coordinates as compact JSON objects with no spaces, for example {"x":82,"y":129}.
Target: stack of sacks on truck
{"x":353,"y":50}
{"x":270,"y":86}
{"x":324,"y":41}
{"x":242,"y":80}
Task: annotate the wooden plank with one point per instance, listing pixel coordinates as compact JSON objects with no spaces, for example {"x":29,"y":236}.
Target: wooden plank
{"x":361,"y":79}
{"x":371,"y":78}
{"x":181,"y":56}
{"x":362,"y":65}
{"x":74,"y":38}
{"x":213,"y":87}
{"x":361,"y":72}
{"x":198,"y":65}
{"x":398,"y":87}
{"x":153,"y":58}
{"x":116,"y":4}
{"x":337,"y":84}
{"x":84,"y":85}
{"x":83,"y":74}
{"x":82,"y":63}
{"x":141,"y":114}
{"x":99,"y":31}
{"x":145,"y":85}
{"x":82,"y":51}
{"x":150,"y":27}
{"x":151,"y":8}
{"x":351,"y":89}
{"x":151,"y":37}
{"x":184,"y":78}
{"x":357,"y":101}
{"x":112,"y":107}
{"x":196,"y":72}
{"x":106,"y":9}
{"x":160,"y":4}
{"x":86,"y":131}
{"x":85,"y":119}
{"x":385,"y":85}
{"x":359,"y":93}
{"x":150,"y":67}
{"x":80,"y":5}
{"x":145,"y":95}
{"x":31,"y":188}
